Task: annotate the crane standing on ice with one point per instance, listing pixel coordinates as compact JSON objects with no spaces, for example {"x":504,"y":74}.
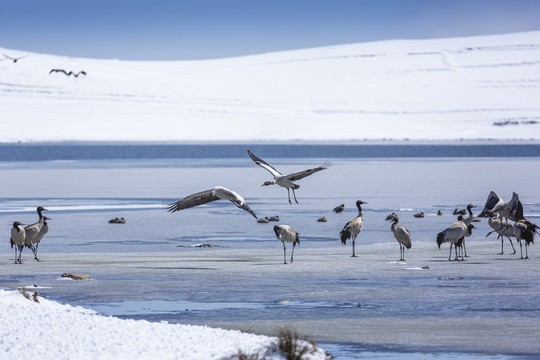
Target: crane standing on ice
{"x":353,"y":227}
{"x":286,"y":233}
{"x":401,"y":233}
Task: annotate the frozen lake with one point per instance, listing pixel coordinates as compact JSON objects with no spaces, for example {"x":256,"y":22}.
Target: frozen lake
{"x":150,"y":267}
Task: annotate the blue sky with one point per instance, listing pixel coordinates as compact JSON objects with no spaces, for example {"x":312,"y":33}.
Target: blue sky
{"x":201,"y":29}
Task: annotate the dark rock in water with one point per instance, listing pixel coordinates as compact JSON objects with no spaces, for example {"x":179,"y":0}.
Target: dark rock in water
{"x":77,"y":276}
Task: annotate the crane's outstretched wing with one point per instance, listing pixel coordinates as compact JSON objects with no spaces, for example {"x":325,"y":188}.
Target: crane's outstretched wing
{"x":492,"y":200}
{"x":196,"y":199}
{"x":58,"y":70}
{"x":302,"y":174}
{"x":263,"y":164}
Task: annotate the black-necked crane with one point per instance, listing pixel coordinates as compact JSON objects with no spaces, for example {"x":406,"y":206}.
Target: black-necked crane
{"x":401,"y":233}
{"x":459,"y":212}
{"x":273,"y":218}
{"x":453,"y":234}
{"x":286,"y":233}
{"x":353,"y":227}
{"x":206,"y":196}
{"x":286,"y":181}
{"x":37,"y":239}
{"x":14,"y":59}
{"x":502,"y":228}
{"x":263,"y":220}
{"x":419,"y":215}
{"x":17,"y":239}
{"x":322,"y":219}
{"x":32,"y":231}
{"x":468,"y":220}
{"x":523,"y":229}
{"x":505,"y":210}
{"x":339,"y":209}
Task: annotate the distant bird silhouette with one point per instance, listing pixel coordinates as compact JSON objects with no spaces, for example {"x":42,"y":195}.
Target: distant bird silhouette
{"x":353,"y":227}
{"x":263,"y":220}
{"x":459,"y":212}
{"x":59,"y":70}
{"x":419,"y":215}
{"x":286,"y":181}
{"x":286,"y":233}
{"x":401,"y":233}
{"x":206,"y":196}
{"x":273,"y":218}
{"x":14,"y":59}
{"x":322,"y":219}
{"x":439,"y":212}
{"x":68,"y":73}
{"x":17,"y":240}
{"x":339,"y":209}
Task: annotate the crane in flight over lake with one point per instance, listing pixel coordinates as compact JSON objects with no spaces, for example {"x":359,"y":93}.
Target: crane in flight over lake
{"x":286,"y":181}
{"x":206,"y":196}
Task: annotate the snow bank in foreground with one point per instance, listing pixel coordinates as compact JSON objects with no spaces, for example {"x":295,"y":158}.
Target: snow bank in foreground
{"x":49,"y":330}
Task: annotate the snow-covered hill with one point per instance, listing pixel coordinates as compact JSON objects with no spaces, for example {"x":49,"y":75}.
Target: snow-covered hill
{"x":471,"y":88}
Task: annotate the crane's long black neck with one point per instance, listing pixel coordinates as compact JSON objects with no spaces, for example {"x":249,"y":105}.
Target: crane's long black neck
{"x":360,"y":212}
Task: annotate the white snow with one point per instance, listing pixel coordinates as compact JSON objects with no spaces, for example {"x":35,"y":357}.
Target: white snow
{"x":443,"y":89}
{"x":49,"y":330}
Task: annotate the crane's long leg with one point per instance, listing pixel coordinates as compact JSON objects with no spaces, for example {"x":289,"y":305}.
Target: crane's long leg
{"x":353,"y":254}
{"x":16,"y":246}
{"x":521,"y":248}
{"x":19,"y":261}
{"x":284,"y":254}
{"x":502,"y":246}
{"x":464,"y":249}
{"x":292,"y":253}
{"x":289,"y":195}
{"x":526,"y":250}
{"x":34,"y":250}
{"x":513,"y":248}
{"x":450,"y":254}
{"x":294,"y":194}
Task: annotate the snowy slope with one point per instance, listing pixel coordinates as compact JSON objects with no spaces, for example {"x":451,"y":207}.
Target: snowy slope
{"x":49,"y":330}
{"x":471,"y":88}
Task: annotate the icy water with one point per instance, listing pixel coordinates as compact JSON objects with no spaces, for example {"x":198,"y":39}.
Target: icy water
{"x":169,"y":277}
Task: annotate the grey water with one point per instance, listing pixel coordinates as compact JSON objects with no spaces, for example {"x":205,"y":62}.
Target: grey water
{"x":85,"y":185}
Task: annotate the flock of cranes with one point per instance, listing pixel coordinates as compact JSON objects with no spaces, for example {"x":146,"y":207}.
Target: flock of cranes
{"x":498,"y":212}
